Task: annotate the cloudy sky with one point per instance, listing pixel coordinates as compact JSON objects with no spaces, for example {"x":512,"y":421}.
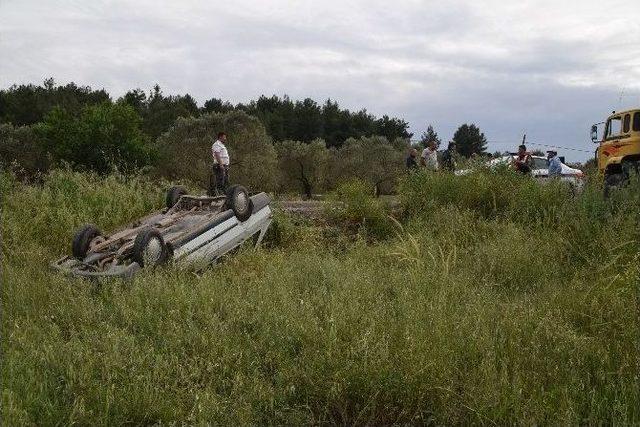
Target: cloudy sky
{"x":547,"y":68}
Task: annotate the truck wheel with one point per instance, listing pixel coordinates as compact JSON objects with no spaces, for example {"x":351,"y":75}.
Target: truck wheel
{"x":82,"y":240}
{"x":612,"y":182}
{"x":239,"y":201}
{"x":149,"y":248}
{"x":174,"y":194}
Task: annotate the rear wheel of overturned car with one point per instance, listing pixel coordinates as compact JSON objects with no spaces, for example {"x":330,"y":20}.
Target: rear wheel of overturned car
{"x":149,"y":248}
{"x":174,"y":194}
{"x":82,"y":240}
{"x":239,"y":201}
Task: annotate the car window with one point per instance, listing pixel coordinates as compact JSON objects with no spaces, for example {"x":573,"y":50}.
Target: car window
{"x":636,"y":121}
{"x":627,"y":123}
{"x":539,"y":163}
{"x":614,"y":127}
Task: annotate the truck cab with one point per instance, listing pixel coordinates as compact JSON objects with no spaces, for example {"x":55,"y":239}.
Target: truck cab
{"x":618,"y":153}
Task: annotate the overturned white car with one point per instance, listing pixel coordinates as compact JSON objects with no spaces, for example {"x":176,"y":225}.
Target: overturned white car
{"x":191,"y":229}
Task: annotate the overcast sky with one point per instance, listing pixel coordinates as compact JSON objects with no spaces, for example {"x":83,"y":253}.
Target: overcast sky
{"x":547,"y":68}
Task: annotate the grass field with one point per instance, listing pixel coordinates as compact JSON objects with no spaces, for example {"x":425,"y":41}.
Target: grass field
{"x":492,"y":300}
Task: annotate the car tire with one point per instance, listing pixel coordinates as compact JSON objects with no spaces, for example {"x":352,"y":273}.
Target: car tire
{"x":82,"y":240}
{"x":612,"y":182}
{"x":174,"y":194}
{"x":149,"y":248}
{"x":239,"y":202}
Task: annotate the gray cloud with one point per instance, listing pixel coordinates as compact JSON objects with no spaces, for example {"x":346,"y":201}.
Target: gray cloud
{"x":540,"y":66}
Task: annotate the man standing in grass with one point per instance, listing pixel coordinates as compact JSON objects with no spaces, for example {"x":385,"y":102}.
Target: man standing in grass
{"x":429,"y":157}
{"x":555,"y":165}
{"x":220,"y":165}
{"x":411,"y":162}
{"x":522,"y":162}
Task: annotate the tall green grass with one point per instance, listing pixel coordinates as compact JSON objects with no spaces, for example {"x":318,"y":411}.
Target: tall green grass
{"x":473,"y":309}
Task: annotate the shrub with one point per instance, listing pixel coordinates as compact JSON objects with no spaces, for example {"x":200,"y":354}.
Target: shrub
{"x":489,"y":194}
{"x":101,"y":138}
{"x":353,"y":205}
{"x":22,"y":151}
{"x":68,"y":199}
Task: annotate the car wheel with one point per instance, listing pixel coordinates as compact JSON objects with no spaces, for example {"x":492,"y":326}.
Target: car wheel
{"x":239,"y":201}
{"x":612,"y":182}
{"x":149,"y":248}
{"x":82,"y":240}
{"x":174,"y":194}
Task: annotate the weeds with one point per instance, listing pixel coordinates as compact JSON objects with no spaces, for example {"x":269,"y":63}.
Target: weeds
{"x":501,"y":303}
{"x":353,"y":206}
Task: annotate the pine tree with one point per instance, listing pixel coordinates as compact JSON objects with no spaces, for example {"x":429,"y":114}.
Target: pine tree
{"x":429,"y":136}
{"x":469,"y":140}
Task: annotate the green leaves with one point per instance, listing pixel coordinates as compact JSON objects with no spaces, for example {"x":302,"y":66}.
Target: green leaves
{"x":469,"y":140}
{"x":101,"y":138}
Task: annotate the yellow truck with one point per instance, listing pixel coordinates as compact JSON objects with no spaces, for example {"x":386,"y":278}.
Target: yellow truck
{"x":618,"y":154}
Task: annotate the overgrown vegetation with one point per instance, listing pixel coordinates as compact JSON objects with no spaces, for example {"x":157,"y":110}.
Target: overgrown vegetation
{"x":276,"y":144}
{"x":355,"y":209}
{"x":493,"y":301}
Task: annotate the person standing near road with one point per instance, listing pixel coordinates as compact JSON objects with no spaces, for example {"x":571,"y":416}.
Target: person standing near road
{"x":522,"y":162}
{"x":411,"y":160}
{"x":555,"y":165}
{"x":429,"y":158}
{"x":448,"y":161}
{"x":220,"y":164}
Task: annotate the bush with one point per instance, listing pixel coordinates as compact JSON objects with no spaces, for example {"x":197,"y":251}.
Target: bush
{"x":500,"y":194}
{"x":22,"y":151}
{"x":64,"y":202}
{"x":101,"y":138}
{"x":354,"y":206}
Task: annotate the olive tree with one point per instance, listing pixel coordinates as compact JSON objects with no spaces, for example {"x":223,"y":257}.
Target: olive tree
{"x":185,"y":150}
{"x":372,"y":159}
{"x":302,"y":165}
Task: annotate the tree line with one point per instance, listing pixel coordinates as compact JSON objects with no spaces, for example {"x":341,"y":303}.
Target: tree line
{"x":304,"y":120}
{"x":276,"y":144}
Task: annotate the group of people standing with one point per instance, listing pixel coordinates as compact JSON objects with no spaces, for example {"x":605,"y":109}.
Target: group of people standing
{"x":522,"y":161}
{"x":429,"y":158}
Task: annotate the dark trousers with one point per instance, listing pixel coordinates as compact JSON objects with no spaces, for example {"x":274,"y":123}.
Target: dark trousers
{"x":219,"y":180}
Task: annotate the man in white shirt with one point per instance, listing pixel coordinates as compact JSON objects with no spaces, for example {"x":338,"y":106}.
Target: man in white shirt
{"x":220,"y":165}
{"x":429,"y":158}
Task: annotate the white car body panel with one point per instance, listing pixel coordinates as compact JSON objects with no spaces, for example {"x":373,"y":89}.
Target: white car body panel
{"x":571,"y":175}
{"x":197,"y":232}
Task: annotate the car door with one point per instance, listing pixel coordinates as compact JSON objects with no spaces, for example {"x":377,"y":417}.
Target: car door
{"x":540,"y":169}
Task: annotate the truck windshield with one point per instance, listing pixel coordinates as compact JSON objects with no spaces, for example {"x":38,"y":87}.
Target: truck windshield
{"x":614,"y":127}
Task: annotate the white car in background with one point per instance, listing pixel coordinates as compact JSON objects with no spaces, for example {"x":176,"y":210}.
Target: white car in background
{"x":539,"y":169}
